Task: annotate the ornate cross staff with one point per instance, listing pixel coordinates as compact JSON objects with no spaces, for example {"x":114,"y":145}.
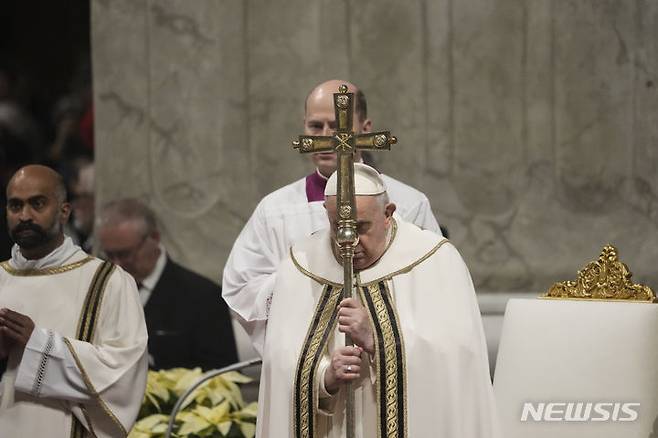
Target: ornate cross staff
{"x":345,"y":143}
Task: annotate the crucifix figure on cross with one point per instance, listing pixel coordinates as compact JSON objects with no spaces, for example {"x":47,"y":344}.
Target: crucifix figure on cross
{"x":345,"y":143}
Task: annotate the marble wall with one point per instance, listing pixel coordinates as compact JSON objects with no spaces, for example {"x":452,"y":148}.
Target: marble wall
{"x":530,"y":124}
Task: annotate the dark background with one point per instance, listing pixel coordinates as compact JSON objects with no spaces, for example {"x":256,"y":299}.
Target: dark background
{"x":45,"y":75}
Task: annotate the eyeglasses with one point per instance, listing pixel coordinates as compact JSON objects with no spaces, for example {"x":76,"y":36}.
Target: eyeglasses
{"x":125,"y":254}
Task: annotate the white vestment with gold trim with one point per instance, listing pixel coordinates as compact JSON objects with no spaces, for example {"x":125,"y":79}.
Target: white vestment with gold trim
{"x":101,"y":383}
{"x":282,"y":218}
{"x":444,"y":373}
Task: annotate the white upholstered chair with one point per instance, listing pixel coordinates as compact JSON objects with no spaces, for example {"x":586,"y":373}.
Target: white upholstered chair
{"x":583,"y":361}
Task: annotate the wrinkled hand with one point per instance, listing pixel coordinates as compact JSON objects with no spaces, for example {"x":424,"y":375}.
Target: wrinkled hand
{"x":345,"y":367}
{"x":15,"y":330}
{"x":353,"y":320}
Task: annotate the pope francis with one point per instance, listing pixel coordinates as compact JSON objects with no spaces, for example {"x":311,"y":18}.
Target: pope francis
{"x":419,"y":364}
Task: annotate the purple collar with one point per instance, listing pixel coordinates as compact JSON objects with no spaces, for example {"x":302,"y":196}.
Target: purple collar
{"x":315,"y":184}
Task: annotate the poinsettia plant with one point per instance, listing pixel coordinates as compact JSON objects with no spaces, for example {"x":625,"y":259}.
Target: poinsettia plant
{"x":216,"y":409}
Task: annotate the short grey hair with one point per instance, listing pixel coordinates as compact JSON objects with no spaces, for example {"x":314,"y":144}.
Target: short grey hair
{"x":126,"y":210}
{"x":383,"y":199}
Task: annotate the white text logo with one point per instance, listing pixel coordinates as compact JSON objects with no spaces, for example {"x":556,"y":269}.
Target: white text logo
{"x":580,"y":411}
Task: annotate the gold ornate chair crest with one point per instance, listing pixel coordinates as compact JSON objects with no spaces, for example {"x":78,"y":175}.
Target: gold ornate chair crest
{"x":604,"y":279}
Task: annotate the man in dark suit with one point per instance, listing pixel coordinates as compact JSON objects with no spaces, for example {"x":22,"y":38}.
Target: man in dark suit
{"x":188,"y":322}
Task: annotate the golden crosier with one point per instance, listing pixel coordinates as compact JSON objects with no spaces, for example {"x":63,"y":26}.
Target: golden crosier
{"x":345,"y":142}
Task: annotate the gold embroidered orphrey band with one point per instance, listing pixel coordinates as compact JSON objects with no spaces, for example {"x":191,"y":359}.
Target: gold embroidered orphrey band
{"x":306,"y":395}
{"x":404,"y":270}
{"x":391,"y":381}
{"x":47,"y":271}
{"x":85,"y":332}
{"x":389,"y":358}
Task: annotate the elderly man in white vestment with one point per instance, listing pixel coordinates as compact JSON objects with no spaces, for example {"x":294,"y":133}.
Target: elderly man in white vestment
{"x":296,"y":211}
{"x":419,"y":365}
{"x":72,"y":333}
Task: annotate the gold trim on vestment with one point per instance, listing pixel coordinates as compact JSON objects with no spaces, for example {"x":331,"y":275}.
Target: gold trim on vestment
{"x":388,"y":395}
{"x":409,"y":267}
{"x":315,"y":342}
{"x":87,"y":321}
{"x":86,"y":327}
{"x":402,"y":359}
{"x":46,"y":271}
{"x":92,"y":390}
{"x":394,"y":232}
{"x":404,"y":270}
{"x":88,"y":420}
{"x":317,"y":278}
{"x":391,"y":373}
{"x":77,"y":429}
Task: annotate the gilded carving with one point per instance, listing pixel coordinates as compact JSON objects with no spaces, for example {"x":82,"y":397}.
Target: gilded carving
{"x":604,"y":279}
{"x":342,"y":101}
{"x":343,"y":142}
{"x":345,"y":211}
{"x":307,"y":144}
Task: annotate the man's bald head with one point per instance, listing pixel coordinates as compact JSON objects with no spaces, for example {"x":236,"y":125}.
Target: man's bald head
{"x":328,"y":88}
{"x":37,"y":210}
{"x":42,"y":175}
{"x":320,"y":119}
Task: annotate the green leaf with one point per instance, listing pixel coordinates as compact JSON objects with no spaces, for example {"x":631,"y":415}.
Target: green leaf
{"x":219,"y":412}
{"x":216,"y":397}
{"x":235,"y":394}
{"x":147,"y":424}
{"x":193,"y":424}
{"x":234,"y":376}
{"x":186,"y":379}
{"x":160,"y":391}
{"x":215,"y":409}
{"x":248,"y":429}
{"x":204,"y":412}
{"x":154,"y":400}
{"x":251,"y":410}
{"x":224,"y":427}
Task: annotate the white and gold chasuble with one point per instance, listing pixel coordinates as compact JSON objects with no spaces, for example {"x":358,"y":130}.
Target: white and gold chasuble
{"x":83,"y":371}
{"x":282,"y":218}
{"x":429,"y":376}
